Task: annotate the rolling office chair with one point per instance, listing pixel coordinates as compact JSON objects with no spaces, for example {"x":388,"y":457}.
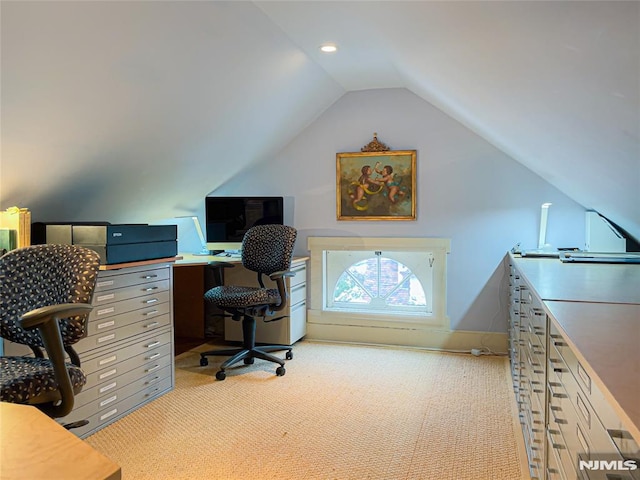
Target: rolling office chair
{"x":45,"y":296}
{"x":267,"y":250}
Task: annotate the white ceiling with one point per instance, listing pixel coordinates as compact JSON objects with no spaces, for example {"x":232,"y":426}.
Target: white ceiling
{"x":556,"y":85}
{"x":91,"y":87}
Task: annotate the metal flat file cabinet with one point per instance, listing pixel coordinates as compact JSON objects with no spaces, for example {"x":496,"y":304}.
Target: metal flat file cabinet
{"x":127,"y":354}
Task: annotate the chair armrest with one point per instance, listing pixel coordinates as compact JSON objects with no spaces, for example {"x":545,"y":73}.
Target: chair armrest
{"x":279,"y":277}
{"x":282,"y":273}
{"x":45,"y":319}
{"x":39,"y":316}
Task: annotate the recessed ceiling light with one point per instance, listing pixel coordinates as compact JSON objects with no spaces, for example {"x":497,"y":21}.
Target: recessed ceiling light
{"x":328,"y":48}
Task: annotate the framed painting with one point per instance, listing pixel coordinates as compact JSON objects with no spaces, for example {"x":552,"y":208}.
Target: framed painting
{"x":376,"y":185}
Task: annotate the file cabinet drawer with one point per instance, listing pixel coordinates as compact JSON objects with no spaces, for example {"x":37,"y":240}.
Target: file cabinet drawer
{"x":113,"y":279}
{"x":107,"y":375}
{"x":99,"y":326}
{"x":129,"y":305}
{"x":301,"y":274}
{"x":142,"y":325}
{"x":102,"y":413}
{"x":145,"y":346}
{"x":120,"y":294}
{"x":298,"y":294}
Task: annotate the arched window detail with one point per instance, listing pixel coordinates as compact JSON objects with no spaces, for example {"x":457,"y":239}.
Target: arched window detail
{"x":378,"y":283}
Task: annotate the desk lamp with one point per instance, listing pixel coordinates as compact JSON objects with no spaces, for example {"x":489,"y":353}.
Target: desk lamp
{"x":542,"y":240}
{"x":203,"y":243}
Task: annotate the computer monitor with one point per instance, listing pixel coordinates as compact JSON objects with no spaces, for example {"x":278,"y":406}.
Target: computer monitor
{"x":227,"y":219}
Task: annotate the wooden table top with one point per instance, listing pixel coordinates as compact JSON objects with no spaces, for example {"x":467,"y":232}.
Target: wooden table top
{"x":33,"y":446}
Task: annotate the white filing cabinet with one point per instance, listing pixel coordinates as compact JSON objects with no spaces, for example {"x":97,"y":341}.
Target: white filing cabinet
{"x":286,"y":331}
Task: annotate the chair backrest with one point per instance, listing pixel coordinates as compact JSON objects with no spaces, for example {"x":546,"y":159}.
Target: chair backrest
{"x":268,"y":248}
{"x":42,"y":275}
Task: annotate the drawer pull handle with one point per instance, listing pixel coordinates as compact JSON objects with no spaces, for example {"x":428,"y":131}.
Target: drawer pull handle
{"x":625,"y":444}
{"x":151,"y":300}
{"x":151,"y":325}
{"x":559,"y":421}
{"x":554,"y":445}
{"x":557,"y":369}
{"x":151,"y":357}
{"x":554,"y":394}
{"x":154,"y":344}
{"x":147,"y":277}
{"x":155,"y":367}
{"x":152,"y":312}
{"x":153,"y":380}
{"x":150,"y":289}
{"x":152,"y":392}
{"x":557,"y":340}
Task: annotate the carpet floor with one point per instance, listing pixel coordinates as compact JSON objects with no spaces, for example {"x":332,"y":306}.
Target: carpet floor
{"x":340,"y":412}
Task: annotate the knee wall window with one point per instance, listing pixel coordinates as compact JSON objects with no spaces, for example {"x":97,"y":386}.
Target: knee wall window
{"x":379,"y":282}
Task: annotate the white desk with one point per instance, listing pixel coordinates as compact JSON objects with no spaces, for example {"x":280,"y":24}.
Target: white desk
{"x":190,"y":284}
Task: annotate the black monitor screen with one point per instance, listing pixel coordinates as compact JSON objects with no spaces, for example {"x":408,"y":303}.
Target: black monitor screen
{"x":228,"y":218}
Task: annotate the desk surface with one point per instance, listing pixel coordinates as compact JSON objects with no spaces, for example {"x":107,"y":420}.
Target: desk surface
{"x":34,"y":446}
{"x":191,"y":259}
{"x":581,"y":282}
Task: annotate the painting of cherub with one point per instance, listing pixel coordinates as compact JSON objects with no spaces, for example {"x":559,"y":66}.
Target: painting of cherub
{"x":376,"y":185}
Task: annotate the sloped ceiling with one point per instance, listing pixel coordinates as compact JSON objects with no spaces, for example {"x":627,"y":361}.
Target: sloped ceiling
{"x":159,"y":89}
{"x":555,"y":85}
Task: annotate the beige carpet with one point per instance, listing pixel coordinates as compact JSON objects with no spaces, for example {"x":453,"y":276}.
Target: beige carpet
{"x":340,"y":412}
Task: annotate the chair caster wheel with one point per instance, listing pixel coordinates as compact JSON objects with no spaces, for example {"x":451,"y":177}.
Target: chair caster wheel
{"x":221,"y":375}
{"x":249,"y":361}
{"x":289,"y":355}
{"x":204,"y":361}
{"x":280,"y":371}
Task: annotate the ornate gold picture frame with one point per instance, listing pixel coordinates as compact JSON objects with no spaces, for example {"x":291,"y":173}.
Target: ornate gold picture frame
{"x":377,"y":184}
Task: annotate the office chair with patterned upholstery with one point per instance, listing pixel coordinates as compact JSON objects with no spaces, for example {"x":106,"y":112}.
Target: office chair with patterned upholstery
{"x":267,"y":250}
{"x":45,"y":297}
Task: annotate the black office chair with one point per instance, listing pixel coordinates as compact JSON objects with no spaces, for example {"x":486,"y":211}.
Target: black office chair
{"x":45,"y":297}
{"x":267,"y":250}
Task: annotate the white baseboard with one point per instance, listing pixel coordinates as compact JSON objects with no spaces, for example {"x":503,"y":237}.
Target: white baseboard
{"x":436,"y":339}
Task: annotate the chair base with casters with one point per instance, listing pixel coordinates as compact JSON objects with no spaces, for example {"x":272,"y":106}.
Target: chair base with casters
{"x":248,"y":352}
{"x":266,"y":250}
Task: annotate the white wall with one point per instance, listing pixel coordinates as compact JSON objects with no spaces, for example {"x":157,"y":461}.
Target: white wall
{"x":467,"y":191}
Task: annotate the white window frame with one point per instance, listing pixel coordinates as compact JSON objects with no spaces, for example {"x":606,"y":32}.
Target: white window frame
{"x":421,"y":265}
{"x":376,"y":324}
